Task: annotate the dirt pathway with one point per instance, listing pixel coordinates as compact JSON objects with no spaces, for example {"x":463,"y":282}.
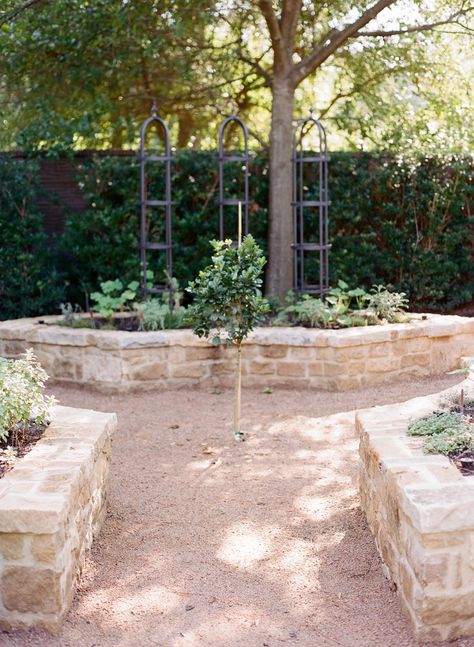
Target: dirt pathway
{"x":213,"y":543}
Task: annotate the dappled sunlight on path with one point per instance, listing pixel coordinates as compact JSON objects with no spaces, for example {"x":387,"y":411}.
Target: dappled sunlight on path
{"x":214,"y":543}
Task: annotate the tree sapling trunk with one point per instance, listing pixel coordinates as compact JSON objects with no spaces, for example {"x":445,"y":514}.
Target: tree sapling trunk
{"x":238,"y":394}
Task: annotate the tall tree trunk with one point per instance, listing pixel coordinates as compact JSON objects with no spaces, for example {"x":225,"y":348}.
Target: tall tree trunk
{"x":280,"y":266}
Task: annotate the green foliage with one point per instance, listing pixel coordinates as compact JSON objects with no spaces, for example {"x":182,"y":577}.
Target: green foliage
{"x":22,"y":398}
{"x":163,"y":312}
{"x":316,"y":313}
{"x":82,"y":74}
{"x":67,"y":68}
{"x":114,"y":298}
{"x":29,"y":283}
{"x":343,"y":308}
{"x":437,"y":423}
{"x":392,"y":222}
{"x":386,"y":304}
{"x":156,"y":314}
{"x":444,"y":432}
{"x":227,"y":295}
{"x":405,"y":223}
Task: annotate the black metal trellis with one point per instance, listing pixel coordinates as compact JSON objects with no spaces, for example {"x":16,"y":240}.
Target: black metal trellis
{"x":243,"y":160}
{"x":146,"y":245}
{"x":302,"y":229}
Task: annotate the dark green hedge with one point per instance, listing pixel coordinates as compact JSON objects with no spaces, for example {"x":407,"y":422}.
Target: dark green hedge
{"x":29,"y":282}
{"x":394,"y":221}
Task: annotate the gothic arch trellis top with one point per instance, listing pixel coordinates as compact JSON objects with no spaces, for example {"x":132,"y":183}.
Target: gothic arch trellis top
{"x":238,"y":158}
{"x":303,"y":228}
{"x":146,"y":245}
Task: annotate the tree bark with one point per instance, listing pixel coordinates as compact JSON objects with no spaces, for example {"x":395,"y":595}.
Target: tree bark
{"x":280,"y":266}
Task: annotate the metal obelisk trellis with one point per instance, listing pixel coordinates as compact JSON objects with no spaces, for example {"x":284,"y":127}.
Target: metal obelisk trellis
{"x":239,"y":158}
{"x":146,"y":245}
{"x":301,"y":227}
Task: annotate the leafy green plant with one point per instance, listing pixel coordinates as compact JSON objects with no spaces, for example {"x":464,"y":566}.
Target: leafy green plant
{"x":114,"y":297}
{"x":22,"y":398}
{"x":388,"y":305}
{"x":164,"y":311}
{"x":156,"y":314}
{"x":444,"y":432}
{"x":315,"y":313}
{"x":228,"y":302}
{"x":340,"y":308}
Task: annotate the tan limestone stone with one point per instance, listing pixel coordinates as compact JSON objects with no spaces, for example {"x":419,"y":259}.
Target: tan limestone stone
{"x":29,"y":589}
{"x":44,"y":548}
{"x":211,"y":352}
{"x":12,"y":546}
{"x":291,"y":369}
{"x":274,"y":352}
{"x":260,"y":367}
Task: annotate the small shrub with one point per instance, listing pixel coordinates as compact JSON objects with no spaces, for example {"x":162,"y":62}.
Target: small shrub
{"x":228,"y":301}
{"x":22,"y":400}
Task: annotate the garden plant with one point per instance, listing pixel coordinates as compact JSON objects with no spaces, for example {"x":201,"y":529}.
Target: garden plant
{"x":228,"y":302}
{"x":450,"y":429}
{"x":24,"y":409}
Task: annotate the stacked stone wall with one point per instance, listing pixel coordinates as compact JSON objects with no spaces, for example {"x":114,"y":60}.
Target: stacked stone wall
{"x":294,"y":357}
{"x":52,"y":505}
{"x":420,"y":509}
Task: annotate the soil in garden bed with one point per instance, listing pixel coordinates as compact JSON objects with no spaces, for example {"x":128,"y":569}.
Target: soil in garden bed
{"x":128,"y":324}
{"x":22,"y":442}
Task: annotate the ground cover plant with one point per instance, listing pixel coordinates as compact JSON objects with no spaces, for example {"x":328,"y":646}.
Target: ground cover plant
{"x":449,"y":430}
{"x":24,"y":409}
{"x":228,"y":301}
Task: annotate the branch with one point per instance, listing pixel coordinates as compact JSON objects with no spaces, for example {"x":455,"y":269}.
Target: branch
{"x":289,"y":21}
{"x":280,"y":54}
{"x":334,"y":39}
{"x":357,"y":87}
{"x":417,"y":28}
{"x":261,"y":71}
{"x":7,"y":16}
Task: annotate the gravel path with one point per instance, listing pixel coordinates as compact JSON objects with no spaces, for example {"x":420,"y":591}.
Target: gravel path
{"x":214,"y":543}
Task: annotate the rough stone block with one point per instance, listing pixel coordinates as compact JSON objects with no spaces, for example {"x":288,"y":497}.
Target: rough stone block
{"x":31,"y":590}
{"x":291,"y":369}
{"x":259,"y":367}
{"x":274,"y":352}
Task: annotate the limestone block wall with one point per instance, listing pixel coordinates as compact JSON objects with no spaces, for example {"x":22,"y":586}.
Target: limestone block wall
{"x":52,"y":505}
{"x":296,"y":357}
{"x":420,"y":509}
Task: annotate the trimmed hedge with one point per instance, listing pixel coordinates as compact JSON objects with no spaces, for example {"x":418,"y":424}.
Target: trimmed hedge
{"x":404,"y":223}
{"x":29,"y":281}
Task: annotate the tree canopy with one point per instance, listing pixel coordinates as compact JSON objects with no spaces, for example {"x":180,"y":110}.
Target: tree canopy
{"x":83,"y":74}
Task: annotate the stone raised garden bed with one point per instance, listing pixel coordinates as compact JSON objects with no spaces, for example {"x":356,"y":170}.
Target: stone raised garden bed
{"x":297,"y":357}
{"x":420,"y":509}
{"x":52,"y":504}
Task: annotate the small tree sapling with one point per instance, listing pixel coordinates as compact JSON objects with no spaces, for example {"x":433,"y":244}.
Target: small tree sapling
{"x":228,"y":302}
